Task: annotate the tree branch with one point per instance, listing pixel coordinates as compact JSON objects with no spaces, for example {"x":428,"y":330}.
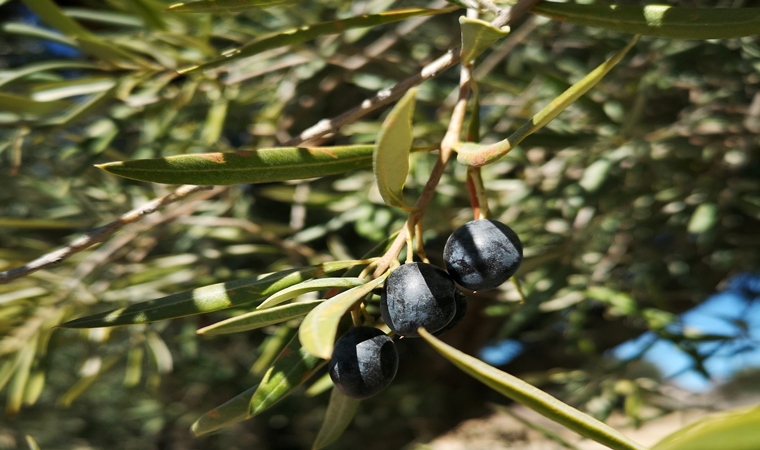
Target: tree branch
{"x":99,"y":234}
{"x":382,"y":98}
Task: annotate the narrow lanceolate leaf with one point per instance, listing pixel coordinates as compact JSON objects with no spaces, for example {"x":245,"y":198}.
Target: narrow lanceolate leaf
{"x":477,"y":155}
{"x":532,"y":397}
{"x":31,"y":443}
{"x":319,"y":327}
{"x":659,"y":20}
{"x":58,"y":90}
{"x":111,"y":53}
{"x":291,"y":369}
{"x":731,"y":430}
{"x":390,"y":159}
{"x":54,"y":16}
{"x":30,"y":108}
{"x":308,"y":32}
{"x":477,"y":36}
{"x":260,"y":318}
{"x":224,"y":6}
{"x":340,"y":411}
{"x":309,"y":286}
{"x":206,"y":299}
{"x":84,"y":109}
{"x":229,"y":413}
{"x":18,"y":382}
{"x":263,"y":165}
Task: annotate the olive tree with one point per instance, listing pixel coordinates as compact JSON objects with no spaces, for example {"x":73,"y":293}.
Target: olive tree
{"x":265,"y":168}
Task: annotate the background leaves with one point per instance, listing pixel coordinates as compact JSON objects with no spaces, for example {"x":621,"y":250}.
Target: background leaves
{"x":659,"y":20}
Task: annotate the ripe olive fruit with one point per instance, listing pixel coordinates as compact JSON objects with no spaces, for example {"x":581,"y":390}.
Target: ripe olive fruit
{"x":418,"y":295}
{"x":461,"y":303}
{"x":482,"y":254}
{"x":363,"y":363}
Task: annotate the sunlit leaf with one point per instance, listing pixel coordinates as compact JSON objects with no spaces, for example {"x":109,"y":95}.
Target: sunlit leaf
{"x":225,"y":6}
{"x":260,"y":318}
{"x":291,"y":369}
{"x":703,"y":219}
{"x":212,"y":129}
{"x":595,"y":174}
{"x":532,"y":397}
{"x":84,"y":109}
{"x":319,"y":327}
{"x":321,"y":385}
{"x":18,"y":382}
{"x":340,"y":412}
{"x":477,"y":36}
{"x":6,"y":369}
{"x":390,"y":159}
{"x":229,"y":413}
{"x":45,"y":92}
{"x":31,"y":443}
{"x":659,"y":20}
{"x":308,"y":32}
{"x":731,"y":430}
{"x":32,"y":31}
{"x":34,"y":386}
{"x":162,"y":356}
{"x":26,"y":106}
{"x":476,"y":155}
{"x":101,"y":16}
{"x":133,"y":371}
{"x":206,"y":299}
{"x":263,"y":165}
{"x":310,"y":286}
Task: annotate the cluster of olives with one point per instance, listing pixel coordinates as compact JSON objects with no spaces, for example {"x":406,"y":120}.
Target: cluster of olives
{"x":480,"y":255}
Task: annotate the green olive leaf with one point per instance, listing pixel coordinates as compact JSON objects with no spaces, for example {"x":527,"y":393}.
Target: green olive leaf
{"x":260,"y":318}
{"x":224,"y":6}
{"x":390,"y":159}
{"x":31,"y":443}
{"x":477,"y":155}
{"x":206,"y":299}
{"x":340,"y":412}
{"x":308,"y":32}
{"x":658,"y":20}
{"x":29,"y":107}
{"x":319,"y":327}
{"x":731,"y":430}
{"x":290,"y":370}
{"x":532,"y":397}
{"x":59,"y":90}
{"x":309,"y":286}
{"x":262,"y":165}
{"x":477,"y":36}
{"x":18,"y":382}
{"x":229,"y":413}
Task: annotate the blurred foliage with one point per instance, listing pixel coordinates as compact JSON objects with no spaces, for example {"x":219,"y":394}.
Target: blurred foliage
{"x":633,"y":205}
